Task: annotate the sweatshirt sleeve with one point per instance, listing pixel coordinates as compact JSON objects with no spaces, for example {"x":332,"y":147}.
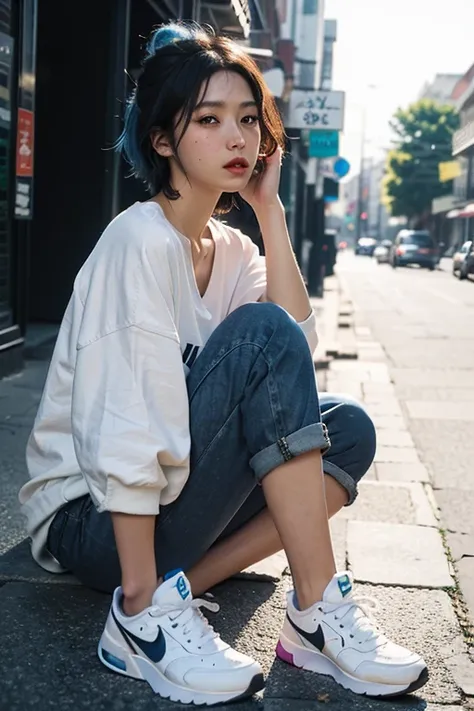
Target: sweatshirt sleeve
{"x":130,"y":418}
{"x":309,"y":329}
{"x":252,"y":280}
{"x":252,"y":286}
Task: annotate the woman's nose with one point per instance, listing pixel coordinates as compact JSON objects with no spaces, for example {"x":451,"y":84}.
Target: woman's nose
{"x":236,"y":138}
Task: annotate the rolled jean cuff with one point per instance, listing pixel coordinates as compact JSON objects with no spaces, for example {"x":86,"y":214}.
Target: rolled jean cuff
{"x":343,"y":478}
{"x":304,"y":440}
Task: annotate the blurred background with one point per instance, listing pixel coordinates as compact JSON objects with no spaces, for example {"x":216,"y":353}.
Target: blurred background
{"x":378,"y":106}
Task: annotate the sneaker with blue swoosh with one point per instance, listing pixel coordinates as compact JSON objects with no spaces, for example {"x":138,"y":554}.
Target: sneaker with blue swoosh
{"x":172,"y":646}
{"x":337,"y":637}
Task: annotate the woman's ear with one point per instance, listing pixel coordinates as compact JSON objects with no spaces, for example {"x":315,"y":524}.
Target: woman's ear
{"x":161,"y":144}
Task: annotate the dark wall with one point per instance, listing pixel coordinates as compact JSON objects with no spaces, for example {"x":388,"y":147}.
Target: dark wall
{"x":80,"y":86}
{"x":142,"y":21}
{"x":70,"y":161}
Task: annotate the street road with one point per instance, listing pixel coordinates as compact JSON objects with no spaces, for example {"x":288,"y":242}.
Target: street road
{"x":425,"y":323}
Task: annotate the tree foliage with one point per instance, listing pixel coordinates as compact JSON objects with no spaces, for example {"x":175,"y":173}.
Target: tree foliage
{"x":423,"y":140}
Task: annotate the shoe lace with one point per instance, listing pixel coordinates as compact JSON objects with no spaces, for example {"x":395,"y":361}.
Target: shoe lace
{"x":190,"y":620}
{"x":357,"y":615}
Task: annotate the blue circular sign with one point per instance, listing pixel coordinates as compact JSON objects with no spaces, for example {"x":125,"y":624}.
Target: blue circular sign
{"x":341,"y":167}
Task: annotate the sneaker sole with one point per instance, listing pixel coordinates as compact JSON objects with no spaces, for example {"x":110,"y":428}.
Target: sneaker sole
{"x":316,"y":662}
{"x":137,"y":667}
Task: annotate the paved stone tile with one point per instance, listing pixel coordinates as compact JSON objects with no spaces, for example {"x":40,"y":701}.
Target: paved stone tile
{"x":448,"y":451}
{"x":385,"y":407}
{"x":406,"y":471}
{"x":338,"y":526}
{"x":394,"y":422}
{"x":269,"y":569}
{"x":438,"y":378}
{"x":371,"y":355}
{"x":430,"y":353}
{"x":457,"y":509}
{"x":378,"y":390}
{"x":364,"y":332}
{"x":350,"y":388}
{"x":362,"y":371}
{"x":394,"y":438}
{"x":383,"y":503}
{"x":426,"y":507}
{"x":397,"y":554}
{"x":436,"y":410}
{"x":465,"y":571}
{"x":423,"y":392}
{"x":371,"y":475}
{"x":404,"y":502}
{"x":369,"y":344}
{"x":370,"y":352}
{"x":460,"y":544}
{"x":396,"y":454}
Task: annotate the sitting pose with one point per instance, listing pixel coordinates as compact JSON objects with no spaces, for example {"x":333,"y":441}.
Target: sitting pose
{"x":180,"y":437}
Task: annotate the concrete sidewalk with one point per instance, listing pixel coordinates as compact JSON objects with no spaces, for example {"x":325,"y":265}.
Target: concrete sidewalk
{"x":390,"y":539}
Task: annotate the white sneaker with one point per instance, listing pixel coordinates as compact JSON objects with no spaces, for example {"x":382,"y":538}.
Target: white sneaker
{"x":337,"y":638}
{"x":172,"y":646}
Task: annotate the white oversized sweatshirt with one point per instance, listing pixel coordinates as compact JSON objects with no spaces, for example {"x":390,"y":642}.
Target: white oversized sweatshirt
{"x":113,"y":421}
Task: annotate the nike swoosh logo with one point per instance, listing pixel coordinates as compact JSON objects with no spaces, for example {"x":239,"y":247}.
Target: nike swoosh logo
{"x":315,"y":638}
{"x":154,"y":650}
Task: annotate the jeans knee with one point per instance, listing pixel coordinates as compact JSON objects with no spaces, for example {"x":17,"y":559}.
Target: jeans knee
{"x":263,"y":311}
{"x":352,"y":435}
{"x":363,"y":434}
{"x":272,"y":320}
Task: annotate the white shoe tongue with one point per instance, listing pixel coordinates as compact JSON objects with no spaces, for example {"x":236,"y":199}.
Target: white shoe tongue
{"x":339,"y":589}
{"x":174,"y":592}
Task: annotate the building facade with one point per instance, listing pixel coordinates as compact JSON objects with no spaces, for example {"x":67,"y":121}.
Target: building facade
{"x":462,"y":211}
{"x":61,"y":100}
{"x":441,"y":88}
{"x":17,"y":117}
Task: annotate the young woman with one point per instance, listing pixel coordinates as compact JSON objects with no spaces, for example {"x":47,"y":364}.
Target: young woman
{"x":180,"y":427}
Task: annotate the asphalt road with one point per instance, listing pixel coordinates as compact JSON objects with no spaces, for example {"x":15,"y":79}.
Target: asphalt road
{"x":425,"y":323}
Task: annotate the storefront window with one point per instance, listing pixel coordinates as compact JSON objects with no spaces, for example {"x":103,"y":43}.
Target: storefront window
{"x":6,"y":58}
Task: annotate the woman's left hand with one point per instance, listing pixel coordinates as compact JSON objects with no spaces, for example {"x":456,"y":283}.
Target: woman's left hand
{"x":261,"y":192}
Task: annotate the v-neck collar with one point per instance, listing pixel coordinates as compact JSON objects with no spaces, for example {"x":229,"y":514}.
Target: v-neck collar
{"x":215,"y":234}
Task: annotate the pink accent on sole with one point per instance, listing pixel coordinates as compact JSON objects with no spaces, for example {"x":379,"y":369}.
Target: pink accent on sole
{"x":284,"y":655}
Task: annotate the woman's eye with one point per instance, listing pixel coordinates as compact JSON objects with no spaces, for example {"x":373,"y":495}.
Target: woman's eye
{"x":206,"y":120}
{"x":250,"y":119}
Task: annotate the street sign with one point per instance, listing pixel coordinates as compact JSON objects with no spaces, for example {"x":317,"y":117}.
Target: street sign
{"x":341,"y":167}
{"x":335,"y":168}
{"x":323,"y":144}
{"x":323,"y":110}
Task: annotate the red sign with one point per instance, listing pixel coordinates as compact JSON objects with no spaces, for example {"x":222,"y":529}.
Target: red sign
{"x":25,"y":143}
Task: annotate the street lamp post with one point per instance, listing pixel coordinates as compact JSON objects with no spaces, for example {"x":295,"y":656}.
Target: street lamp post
{"x":360,"y":190}
{"x":360,"y":185}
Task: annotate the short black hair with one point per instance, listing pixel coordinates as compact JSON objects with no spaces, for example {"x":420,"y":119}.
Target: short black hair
{"x":180,"y":62}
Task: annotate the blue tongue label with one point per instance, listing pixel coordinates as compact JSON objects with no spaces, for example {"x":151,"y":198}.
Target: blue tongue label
{"x":344,"y":585}
{"x":182,"y":587}
{"x":181,"y":584}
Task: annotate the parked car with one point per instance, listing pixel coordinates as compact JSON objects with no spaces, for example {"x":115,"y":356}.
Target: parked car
{"x":414,"y":247}
{"x":382,"y":251}
{"x":366,"y":245}
{"x":463,"y":260}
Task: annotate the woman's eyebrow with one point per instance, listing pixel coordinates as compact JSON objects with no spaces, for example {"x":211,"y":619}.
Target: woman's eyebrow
{"x":222,"y":104}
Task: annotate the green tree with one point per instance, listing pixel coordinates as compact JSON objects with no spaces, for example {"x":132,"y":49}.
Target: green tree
{"x":423,"y":140}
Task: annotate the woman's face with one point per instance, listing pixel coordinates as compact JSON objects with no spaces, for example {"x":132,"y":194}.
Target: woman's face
{"x":220,"y":147}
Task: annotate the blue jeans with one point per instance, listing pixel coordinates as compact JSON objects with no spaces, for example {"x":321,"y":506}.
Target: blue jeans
{"x":254,"y":405}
